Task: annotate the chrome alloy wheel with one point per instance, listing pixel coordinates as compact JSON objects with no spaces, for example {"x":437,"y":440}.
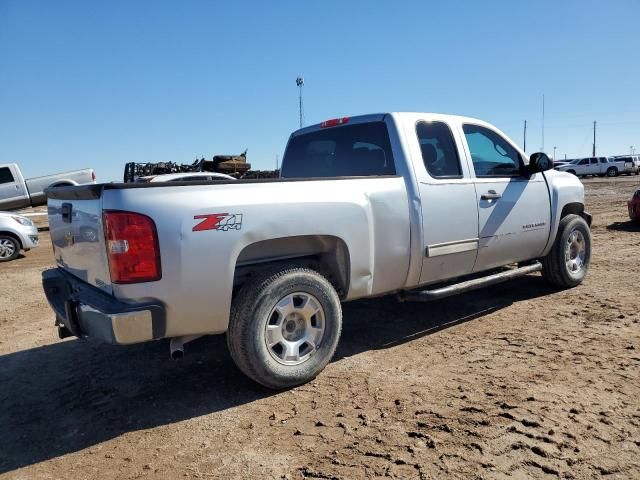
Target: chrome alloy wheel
{"x":295,"y":328}
{"x":575,"y":252}
{"x":7,"y":248}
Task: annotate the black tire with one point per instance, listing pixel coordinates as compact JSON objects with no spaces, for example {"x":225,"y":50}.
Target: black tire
{"x":253,"y":308}
{"x":554,"y":266}
{"x":612,"y":172}
{"x":13,"y":244}
{"x":572,"y":172}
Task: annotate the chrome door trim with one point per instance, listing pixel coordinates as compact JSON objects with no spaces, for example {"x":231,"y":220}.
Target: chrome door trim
{"x":452,"y":247}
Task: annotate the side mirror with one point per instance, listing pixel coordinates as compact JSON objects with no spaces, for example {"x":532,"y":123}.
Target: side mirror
{"x":539,"y":162}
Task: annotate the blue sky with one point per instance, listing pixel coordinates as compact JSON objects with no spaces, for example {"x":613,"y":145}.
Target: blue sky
{"x":97,"y":84}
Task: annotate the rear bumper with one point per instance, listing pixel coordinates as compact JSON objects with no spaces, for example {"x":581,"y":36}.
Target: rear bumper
{"x":87,"y":312}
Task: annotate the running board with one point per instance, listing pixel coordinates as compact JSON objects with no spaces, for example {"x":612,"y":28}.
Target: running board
{"x":429,"y":295}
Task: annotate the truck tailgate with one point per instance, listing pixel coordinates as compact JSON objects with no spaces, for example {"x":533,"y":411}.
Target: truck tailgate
{"x":78,"y":240}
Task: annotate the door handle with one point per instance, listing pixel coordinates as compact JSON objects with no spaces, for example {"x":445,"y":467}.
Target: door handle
{"x":490,"y":195}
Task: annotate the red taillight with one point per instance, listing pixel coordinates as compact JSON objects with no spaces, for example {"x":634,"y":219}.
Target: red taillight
{"x":93,"y":176}
{"x":132,"y":247}
{"x":334,"y":122}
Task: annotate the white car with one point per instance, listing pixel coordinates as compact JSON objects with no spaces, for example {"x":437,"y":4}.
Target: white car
{"x":16,"y":233}
{"x":185,"y":177}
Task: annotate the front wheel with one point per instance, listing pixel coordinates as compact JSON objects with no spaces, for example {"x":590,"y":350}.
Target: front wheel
{"x":9,"y":248}
{"x":284,"y":327}
{"x":566,"y":265}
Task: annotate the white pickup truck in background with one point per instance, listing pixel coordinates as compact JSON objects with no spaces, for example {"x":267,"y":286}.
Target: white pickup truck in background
{"x":414,"y":204}
{"x":18,"y":192}
{"x":600,"y":166}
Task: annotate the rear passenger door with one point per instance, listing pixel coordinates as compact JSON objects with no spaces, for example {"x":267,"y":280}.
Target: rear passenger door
{"x":514,"y":210}
{"x":448,"y":202}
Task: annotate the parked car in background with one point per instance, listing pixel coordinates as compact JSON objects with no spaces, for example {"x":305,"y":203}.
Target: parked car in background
{"x":557,"y":163}
{"x":415,"y":204}
{"x":185,"y":177}
{"x":599,"y":166}
{"x":634,"y":206}
{"x":16,"y":233}
{"x":631,"y":162}
{"x":18,"y":192}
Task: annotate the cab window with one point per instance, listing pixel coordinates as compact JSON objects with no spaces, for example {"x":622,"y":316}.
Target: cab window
{"x":361,"y":150}
{"x":439,"y":152}
{"x":492,"y":155}
{"x":5,"y":175}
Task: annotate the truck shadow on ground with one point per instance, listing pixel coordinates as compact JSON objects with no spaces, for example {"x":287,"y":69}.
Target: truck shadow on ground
{"x":68,"y":396}
{"x":628,"y":226}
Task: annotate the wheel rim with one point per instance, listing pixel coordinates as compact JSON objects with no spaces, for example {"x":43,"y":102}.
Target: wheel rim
{"x":575,"y":252}
{"x":295,"y":328}
{"x":7,"y":248}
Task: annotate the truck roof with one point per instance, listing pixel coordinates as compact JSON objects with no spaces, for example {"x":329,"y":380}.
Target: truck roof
{"x":372,"y":117}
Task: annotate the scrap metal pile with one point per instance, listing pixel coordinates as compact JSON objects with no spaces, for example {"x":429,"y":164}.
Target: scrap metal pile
{"x":234,"y":165}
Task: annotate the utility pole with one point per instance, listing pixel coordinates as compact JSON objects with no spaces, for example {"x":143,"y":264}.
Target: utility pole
{"x":525,"y":135}
{"x":594,"y":139}
{"x":300,"y":84}
{"x":554,"y":154}
{"x":542,"y":149}
{"x":277,"y":161}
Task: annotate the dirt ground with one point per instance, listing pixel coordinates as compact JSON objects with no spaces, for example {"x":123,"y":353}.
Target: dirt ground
{"x":514,"y":381}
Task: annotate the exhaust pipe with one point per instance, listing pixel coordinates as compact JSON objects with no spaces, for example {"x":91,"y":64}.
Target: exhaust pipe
{"x":176,"y":345}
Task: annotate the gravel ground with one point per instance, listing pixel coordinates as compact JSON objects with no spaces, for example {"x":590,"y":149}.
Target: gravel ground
{"x":517,"y":380}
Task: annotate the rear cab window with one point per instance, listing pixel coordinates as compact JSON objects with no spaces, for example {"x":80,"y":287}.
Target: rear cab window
{"x":439,"y":151}
{"x":358,"y":150}
{"x":5,"y":175}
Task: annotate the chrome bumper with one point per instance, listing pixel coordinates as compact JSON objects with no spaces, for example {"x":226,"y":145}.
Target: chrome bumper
{"x":87,"y":312}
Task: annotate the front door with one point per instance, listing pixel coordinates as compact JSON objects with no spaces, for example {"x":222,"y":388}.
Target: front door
{"x":514,"y":212}
{"x":11,"y":192}
{"x":448,"y":200}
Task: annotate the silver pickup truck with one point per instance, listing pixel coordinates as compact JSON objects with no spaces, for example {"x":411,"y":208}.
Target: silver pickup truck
{"x":414,"y":204}
{"x":18,"y":192}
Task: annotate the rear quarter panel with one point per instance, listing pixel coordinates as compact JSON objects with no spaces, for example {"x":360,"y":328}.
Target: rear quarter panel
{"x":369,"y":215}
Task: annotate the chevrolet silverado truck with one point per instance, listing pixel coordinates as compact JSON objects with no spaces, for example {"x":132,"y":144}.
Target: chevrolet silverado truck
{"x":18,"y":192}
{"x":413,"y":204}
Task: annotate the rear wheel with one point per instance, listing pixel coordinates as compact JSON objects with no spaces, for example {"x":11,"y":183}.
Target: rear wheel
{"x":612,"y":172}
{"x":284,"y":327}
{"x":567,"y":263}
{"x":9,"y":248}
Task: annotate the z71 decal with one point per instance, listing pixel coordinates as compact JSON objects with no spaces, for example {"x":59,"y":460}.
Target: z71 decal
{"x":218,"y":221}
